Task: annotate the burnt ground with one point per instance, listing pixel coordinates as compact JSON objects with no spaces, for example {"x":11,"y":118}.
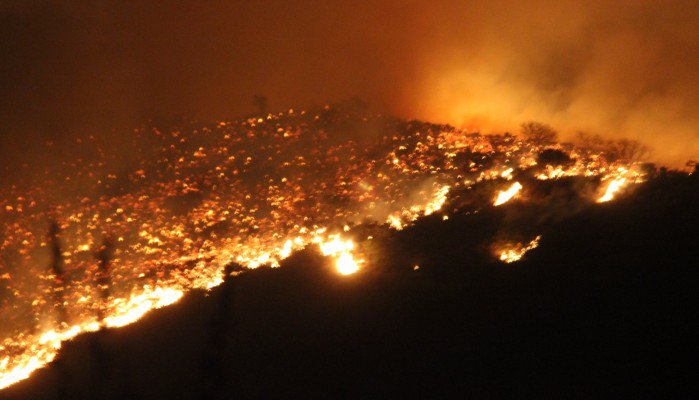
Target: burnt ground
{"x":605,"y":307}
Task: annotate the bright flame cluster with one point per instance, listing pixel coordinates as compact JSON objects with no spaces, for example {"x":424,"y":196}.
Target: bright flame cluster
{"x":507,"y":195}
{"x":613,"y":187}
{"x":341,"y":251}
{"x":514,"y":252}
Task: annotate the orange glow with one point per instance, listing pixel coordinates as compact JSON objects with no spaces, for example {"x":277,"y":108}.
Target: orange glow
{"x":507,"y":195}
{"x":187,"y":211}
{"x":612,"y":188}
{"x":346,"y":264}
{"x":342,"y":252}
{"x":514,"y":252}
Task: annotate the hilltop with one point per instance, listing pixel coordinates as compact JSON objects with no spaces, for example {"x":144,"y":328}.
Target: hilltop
{"x":603,"y":307}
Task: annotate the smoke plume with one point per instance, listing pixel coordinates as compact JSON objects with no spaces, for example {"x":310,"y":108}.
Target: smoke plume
{"x":618,"y":68}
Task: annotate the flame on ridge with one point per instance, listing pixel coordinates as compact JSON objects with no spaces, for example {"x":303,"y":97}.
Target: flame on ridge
{"x":342,"y":252}
{"x":515,"y":252}
{"x":507,"y":195}
{"x":254,"y":191}
{"x":612,"y":188}
{"x":400,"y":219}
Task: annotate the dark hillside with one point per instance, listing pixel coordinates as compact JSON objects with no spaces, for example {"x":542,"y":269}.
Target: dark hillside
{"x":604,"y":307}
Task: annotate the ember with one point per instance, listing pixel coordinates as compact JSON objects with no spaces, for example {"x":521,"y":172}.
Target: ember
{"x":248,"y":192}
{"x":515,"y":252}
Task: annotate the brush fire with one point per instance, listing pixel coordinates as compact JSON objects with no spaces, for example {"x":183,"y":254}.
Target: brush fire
{"x":101,"y":242}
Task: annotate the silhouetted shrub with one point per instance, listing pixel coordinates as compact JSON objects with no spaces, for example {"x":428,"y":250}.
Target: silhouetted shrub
{"x":539,"y":132}
{"x":554,"y":157}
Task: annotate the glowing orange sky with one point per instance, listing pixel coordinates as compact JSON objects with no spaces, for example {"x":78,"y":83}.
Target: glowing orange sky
{"x":620,"y":68}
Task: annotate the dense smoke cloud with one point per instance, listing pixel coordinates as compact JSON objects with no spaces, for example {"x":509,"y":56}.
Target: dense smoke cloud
{"x":619,"y":68}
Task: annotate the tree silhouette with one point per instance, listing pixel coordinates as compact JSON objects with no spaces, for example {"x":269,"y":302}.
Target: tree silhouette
{"x":539,"y":132}
{"x":261,"y":104}
{"x":628,"y":149}
{"x":554,"y":157}
{"x":104,"y":256}
{"x":57,"y":269}
{"x":622,"y":149}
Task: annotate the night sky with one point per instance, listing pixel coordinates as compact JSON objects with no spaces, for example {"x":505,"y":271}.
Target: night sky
{"x":422,"y":247}
{"x":619,"y":68}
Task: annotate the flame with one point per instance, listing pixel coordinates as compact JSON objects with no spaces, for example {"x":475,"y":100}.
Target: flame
{"x":507,"y":174}
{"x":39,"y":352}
{"x":131,"y":310}
{"x":513,"y":253}
{"x":554,"y":173}
{"x":618,"y":178}
{"x":341,"y":250}
{"x":252,"y":192}
{"x":346,"y":264}
{"x":505,"y":196}
{"x":400,"y":219}
{"x":336,"y":245}
{"x":440,"y":198}
{"x":395,"y":222}
{"x":612,"y":188}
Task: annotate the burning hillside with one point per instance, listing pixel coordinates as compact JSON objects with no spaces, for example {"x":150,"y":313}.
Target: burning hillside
{"x":102,"y":240}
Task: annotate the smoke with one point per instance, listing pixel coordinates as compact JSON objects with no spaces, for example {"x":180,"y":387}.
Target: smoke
{"x":618,"y":68}
{"x":622,"y":69}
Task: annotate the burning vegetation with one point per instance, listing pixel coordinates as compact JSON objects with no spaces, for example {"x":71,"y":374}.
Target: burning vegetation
{"x":102,"y":241}
{"x":510,"y":253}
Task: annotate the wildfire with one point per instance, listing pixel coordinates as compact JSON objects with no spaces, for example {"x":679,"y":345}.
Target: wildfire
{"x":400,"y":219}
{"x":439,"y":199}
{"x":507,"y":174}
{"x":513,"y":253}
{"x":341,"y":251}
{"x":131,"y":310}
{"x":505,"y":196}
{"x":249,"y":192}
{"x":618,"y":178}
{"x":346,"y":264}
{"x":612,"y":188}
{"x":39,"y":352}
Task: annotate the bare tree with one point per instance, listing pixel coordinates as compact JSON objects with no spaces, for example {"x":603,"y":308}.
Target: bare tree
{"x":57,"y":269}
{"x":539,"y":132}
{"x":591,"y":142}
{"x":261,"y":104}
{"x":59,"y":283}
{"x":628,"y":149}
{"x":694,"y":164}
{"x":622,"y":149}
{"x":213,"y":360}
{"x":104,"y":257}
